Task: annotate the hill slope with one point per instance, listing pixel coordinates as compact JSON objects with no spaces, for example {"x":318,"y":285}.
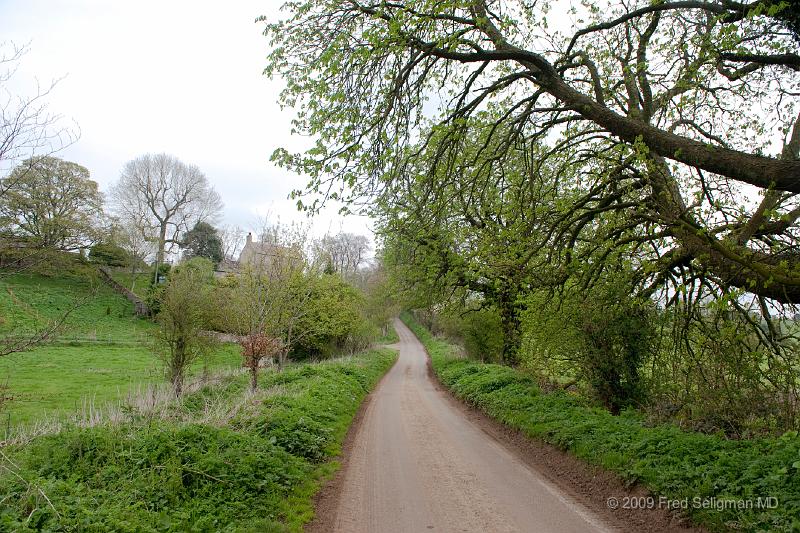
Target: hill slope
{"x":103,"y":352}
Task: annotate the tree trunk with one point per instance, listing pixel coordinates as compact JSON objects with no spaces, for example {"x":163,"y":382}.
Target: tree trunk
{"x":254,"y":376}
{"x":509,"y":318}
{"x":162,"y":243}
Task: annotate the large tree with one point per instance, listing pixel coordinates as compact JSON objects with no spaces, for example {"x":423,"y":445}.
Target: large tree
{"x":466,"y":237}
{"x":164,"y":197}
{"x":681,"y":116}
{"x":52,"y":202}
{"x":203,"y":240}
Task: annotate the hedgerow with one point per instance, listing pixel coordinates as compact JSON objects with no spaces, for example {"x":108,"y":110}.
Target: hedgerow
{"x":670,"y":462}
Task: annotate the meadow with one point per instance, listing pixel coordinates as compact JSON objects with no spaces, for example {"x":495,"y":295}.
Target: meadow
{"x":102,"y":352}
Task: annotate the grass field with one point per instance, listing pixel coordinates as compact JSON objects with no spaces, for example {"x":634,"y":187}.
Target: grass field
{"x":54,"y":381}
{"x":103,"y":352}
{"x":28,"y":301}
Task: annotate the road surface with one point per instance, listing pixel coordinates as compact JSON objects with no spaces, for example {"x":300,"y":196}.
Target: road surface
{"x":418,"y":464}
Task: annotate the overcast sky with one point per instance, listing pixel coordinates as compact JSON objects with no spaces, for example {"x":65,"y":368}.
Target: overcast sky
{"x":181,"y":77}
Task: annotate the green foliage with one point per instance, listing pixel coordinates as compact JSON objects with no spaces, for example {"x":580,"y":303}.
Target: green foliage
{"x":257,"y":472}
{"x":668,"y":461}
{"x":157,"y":278}
{"x":108,"y":254}
{"x":333,"y":322}
{"x":51,"y":201}
{"x":201,"y":268}
{"x":487,"y":195}
{"x":603,"y":336}
{"x":314,"y":316}
{"x":716,"y":375}
{"x":203,"y":240}
{"x":185,"y":307}
{"x":380,"y":306}
{"x":480,"y":331}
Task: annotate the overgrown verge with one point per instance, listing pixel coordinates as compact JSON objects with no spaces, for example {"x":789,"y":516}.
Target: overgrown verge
{"x":388,"y":335}
{"x":688,"y":468}
{"x":220,"y":459}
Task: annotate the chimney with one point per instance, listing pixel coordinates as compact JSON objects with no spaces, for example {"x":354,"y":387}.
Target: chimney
{"x":249,"y":238}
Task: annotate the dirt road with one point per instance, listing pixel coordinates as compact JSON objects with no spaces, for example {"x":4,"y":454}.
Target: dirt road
{"x":418,"y":464}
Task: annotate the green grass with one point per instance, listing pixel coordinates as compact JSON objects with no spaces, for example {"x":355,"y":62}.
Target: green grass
{"x":670,"y":462}
{"x":55,"y":381}
{"x":102,"y":353}
{"x":254,"y":467}
{"x":139,"y":282}
{"x":29,"y":301}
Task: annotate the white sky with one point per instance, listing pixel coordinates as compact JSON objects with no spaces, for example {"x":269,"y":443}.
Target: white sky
{"x":181,"y":77}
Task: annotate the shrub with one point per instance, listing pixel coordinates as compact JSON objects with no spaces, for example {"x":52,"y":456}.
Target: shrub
{"x":109,"y":254}
{"x":603,"y":338}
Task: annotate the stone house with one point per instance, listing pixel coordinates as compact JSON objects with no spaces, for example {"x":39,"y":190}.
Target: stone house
{"x":264,"y":256}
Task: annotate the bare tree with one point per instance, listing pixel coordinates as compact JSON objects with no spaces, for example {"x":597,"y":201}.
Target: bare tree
{"x":343,"y":253}
{"x":166,"y":196}
{"x":233,"y":238}
{"x":131,"y":235}
{"x":27,"y":128}
{"x":27,"y":131}
{"x":273,"y":293}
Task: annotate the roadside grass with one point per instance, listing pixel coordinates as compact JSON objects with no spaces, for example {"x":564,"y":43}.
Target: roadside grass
{"x":219,"y":459}
{"x":671,"y":463}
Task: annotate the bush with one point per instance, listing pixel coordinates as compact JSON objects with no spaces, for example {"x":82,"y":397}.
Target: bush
{"x":109,"y":254}
{"x":480,"y":331}
{"x":603,"y":338}
{"x":183,"y":317}
{"x":333,"y":318}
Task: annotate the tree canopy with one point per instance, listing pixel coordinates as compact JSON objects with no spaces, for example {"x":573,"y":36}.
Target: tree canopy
{"x":163,"y":198}
{"x":203,"y":240}
{"x":680,"y":118}
{"x":52,"y":202}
